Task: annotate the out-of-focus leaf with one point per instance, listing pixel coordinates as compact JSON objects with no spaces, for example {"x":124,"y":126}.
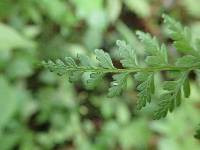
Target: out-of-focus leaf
{"x":140,"y":7}
{"x":8,"y":102}
{"x":113,"y":9}
{"x":85,"y":8}
{"x":134,"y":135}
{"x":58,"y":11}
{"x":10,"y":38}
{"x":19,"y":68}
{"x":108,"y":108}
{"x":192,"y":7}
{"x":122,"y":113}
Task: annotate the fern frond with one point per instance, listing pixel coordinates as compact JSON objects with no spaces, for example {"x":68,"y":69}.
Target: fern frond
{"x":156,"y":61}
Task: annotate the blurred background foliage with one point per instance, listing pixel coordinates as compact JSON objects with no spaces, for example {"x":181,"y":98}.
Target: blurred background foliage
{"x":42,"y":111}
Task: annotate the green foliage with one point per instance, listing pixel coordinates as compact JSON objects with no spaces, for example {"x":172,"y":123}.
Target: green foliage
{"x":156,"y":61}
{"x":187,"y":60}
{"x":157,"y":55}
{"x":118,"y":84}
{"x":8,"y":103}
{"x":104,"y":59}
{"x":174,"y":126}
{"x":181,"y":35}
{"x":172,"y":98}
{"x":146,"y":88}
{"x":40,"y":111}
{"x":141,"y":8}
{"x":127,"y":55}
{"x":17,"y":40}
{"x":197,"y":134}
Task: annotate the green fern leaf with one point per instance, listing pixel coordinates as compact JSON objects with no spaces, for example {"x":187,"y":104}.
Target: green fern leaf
{"x":145,"y":88}
{"x":70,"y":62}
{"x":93,"y":80}
{"x":104,"y":59}
{"x":85,"y":61}
{"x":188,"y":60}
{"x":172,"y":97}
{"x":127,"y":55}
{"x":74,"y":75}
{"x":57,"y":66}
{"x":119,"y":83}
{"x":181,"y":35}
{"x":157,"y":55}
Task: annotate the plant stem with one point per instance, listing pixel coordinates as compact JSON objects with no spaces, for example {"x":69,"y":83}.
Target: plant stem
{"x":132,"y":70}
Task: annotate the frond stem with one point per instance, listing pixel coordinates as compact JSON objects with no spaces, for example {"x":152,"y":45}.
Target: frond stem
{"x":131,"y":70}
